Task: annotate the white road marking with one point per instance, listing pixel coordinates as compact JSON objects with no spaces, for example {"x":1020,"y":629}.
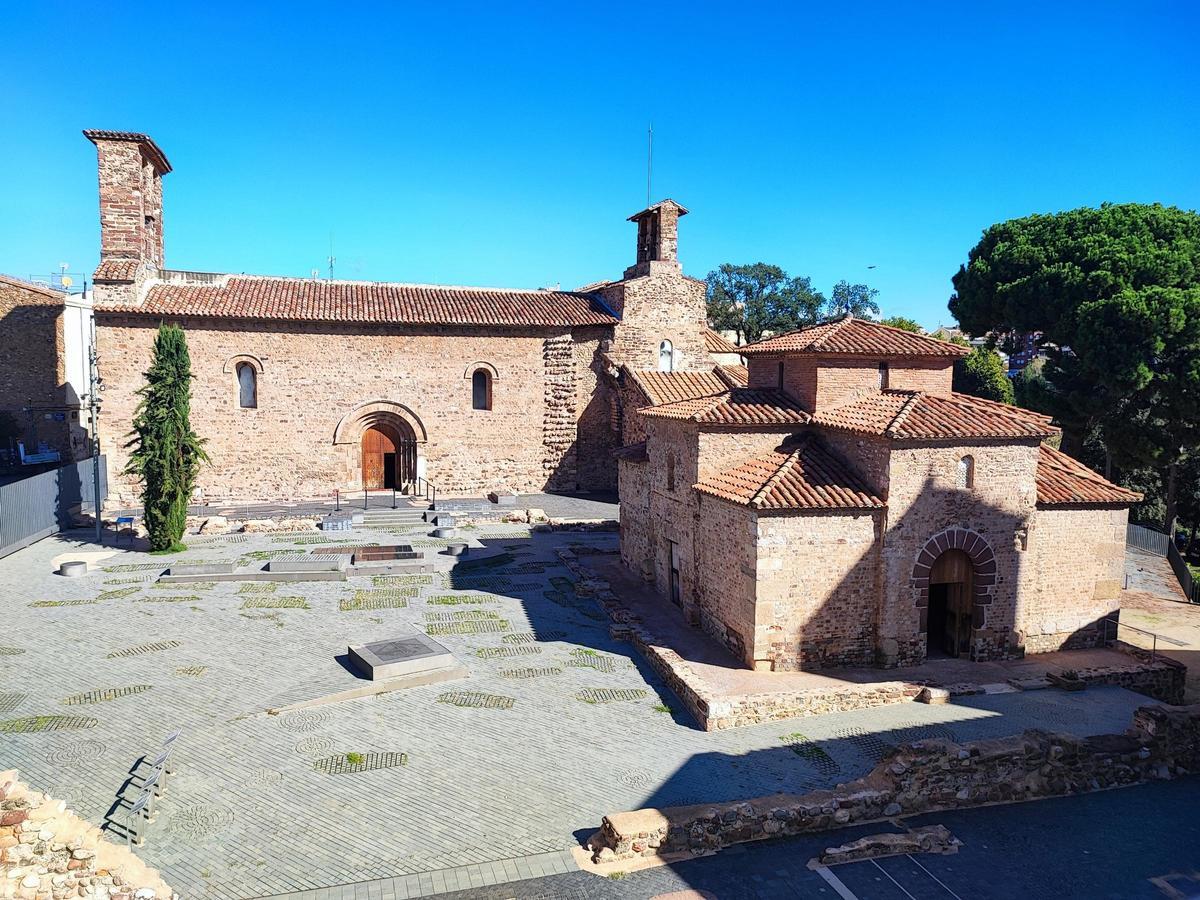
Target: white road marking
{"x":934,"y":877}
{"x":892,"y":880}
{"x":836,"y":883}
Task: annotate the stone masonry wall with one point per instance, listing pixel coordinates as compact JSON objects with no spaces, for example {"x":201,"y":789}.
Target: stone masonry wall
{"x":927,"y":776}
{"x":724,"y":554}
{"x":825,"y":382}
{"x":32,"y":369}
{"x":598,"y":413}
{"x":312,"y":377}
{"x":924,"y":501}
{"x":48,"y":851}
{"x":559,"y":417}
{"x":664,"y":305}
{"x":817,"y":589}
{"x":1075,"y":577}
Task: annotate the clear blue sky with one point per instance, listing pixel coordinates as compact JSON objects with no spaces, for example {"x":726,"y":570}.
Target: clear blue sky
{"x":505,"y":145}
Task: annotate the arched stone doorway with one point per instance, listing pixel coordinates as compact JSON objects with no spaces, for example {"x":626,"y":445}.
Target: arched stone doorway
{"x":380,"y":446}
{"x":389,"y":456}
{"x":953,"y":580}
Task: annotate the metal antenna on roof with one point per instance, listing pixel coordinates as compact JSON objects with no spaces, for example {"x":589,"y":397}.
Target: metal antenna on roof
{"x":332,"y":259}
{"x":649,"y":160}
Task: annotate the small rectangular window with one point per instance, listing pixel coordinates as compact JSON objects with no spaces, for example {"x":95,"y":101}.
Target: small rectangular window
{"x":883,"y":376}
{"x":779,"y":376}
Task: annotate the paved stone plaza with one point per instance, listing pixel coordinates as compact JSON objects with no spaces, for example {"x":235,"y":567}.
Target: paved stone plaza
{"x":556,"y":725}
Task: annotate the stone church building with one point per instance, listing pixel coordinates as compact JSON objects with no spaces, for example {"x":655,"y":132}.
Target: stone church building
{"x":306,"y":386}
{"x":847,"y":508}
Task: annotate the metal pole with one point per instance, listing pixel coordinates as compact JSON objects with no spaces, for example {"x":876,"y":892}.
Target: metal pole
{"x":393,"y":495}
{"x":337,"y":500}
{"x":364,"y":498}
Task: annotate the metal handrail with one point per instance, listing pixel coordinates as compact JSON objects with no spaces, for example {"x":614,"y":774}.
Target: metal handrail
{"x":1154,"y":636}
{"x":425,"y":489}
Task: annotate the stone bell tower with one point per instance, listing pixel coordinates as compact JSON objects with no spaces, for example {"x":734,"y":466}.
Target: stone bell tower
{"x":130,"y":167}
{"x":662,"y":310}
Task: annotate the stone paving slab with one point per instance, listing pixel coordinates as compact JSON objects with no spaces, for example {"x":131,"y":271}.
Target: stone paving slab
{"x":250,"y":812}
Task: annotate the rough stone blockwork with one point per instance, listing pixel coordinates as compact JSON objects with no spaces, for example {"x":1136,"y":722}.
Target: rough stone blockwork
{"x":927,"y":776}
{"x":48,"y":851}
{"x":558,"y":433}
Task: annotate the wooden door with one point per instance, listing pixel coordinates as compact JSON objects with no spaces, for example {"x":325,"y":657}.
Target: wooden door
{"x":377,"y":445}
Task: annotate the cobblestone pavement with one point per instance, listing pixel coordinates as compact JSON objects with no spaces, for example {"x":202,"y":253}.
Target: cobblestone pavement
{"x":556,"y":725}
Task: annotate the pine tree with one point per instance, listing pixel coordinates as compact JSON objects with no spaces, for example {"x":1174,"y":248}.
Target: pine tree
{"x":165,"y":453}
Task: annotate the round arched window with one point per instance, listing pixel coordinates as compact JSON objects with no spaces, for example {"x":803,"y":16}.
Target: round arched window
{"x":966,"y":472}
{"x":481,"y":389}
{"x":247,"y":386}
{"x":666,"y":357}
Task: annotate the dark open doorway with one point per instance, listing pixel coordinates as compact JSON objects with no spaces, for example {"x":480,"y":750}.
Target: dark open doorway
{"x":948,"y":622}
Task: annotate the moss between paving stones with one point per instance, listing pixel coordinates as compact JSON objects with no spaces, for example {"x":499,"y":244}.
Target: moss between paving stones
{"x":43,"y":604}
{"x":530,"y":673}
{"x":177,"y":598}
{"x":804,"y":747}
{"x":459,"y":599}
{"x":191,"y":586}
{"x":102,"y":695}
{"x":118,"y":593}
{"x":483,"y":565}
{"x":476,"y":700}
{"x":46,"y":723}
{"x":365,"y":600}
{"x":258,"y":587}
{"x":192,"y":671}
{"x":476,"y":627}
{"x":583,"y":658}
{"x":611,"y":695}
{"x":271,"y":602}
{"x":461,"y":615}
{"x":400,"y":580}
{"x":362,"y":762}
{"x":143,"y":648}
{"x":11,"y":651}
{"x":506,"y":652}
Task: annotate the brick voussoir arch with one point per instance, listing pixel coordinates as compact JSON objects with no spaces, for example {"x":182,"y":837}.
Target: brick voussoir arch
{"x":349,"y":430}
{"x":977,"y":549}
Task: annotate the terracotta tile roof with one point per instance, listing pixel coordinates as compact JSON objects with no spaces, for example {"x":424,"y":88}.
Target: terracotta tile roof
{"x":43,"y":296}
{"x":737,"y":376}
{"x":856,"y":337}
{"x":806,"y":475}
{"x":668,"y":387}
{"x":632,"y":452}
{"x":715,"y":343}
{"x":116,"y":270}
{"x":153,"y":153}
{"x":1062,"y":480}
{"x":307,"y":300}
{"x":737,"y":406}
{"x":915,"y":415}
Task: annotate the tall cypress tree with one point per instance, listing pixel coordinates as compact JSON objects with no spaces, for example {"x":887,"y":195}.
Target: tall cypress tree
{"x":165,"y":453}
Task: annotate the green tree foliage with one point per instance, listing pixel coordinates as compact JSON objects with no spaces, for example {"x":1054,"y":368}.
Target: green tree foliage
{"x":1115,"y":292}
{"x":165,"y":454}
{"x":753,"y":299}
{"x":856,"y":300}
{"x":981,"y":373}
{"x":904,"y":323}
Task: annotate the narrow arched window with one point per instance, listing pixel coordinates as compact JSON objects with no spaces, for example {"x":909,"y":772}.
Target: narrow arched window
{"x":670,"y":471}
{"x":966,"y":472}
{"x":481,"y":389}
{"x":247,"y":386}
{"x":666,"y":357}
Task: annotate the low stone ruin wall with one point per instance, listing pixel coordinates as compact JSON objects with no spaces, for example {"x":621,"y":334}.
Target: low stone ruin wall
{"x":1159,"y":677}
{"x":927,"y":776}
{"x":48,"y":851}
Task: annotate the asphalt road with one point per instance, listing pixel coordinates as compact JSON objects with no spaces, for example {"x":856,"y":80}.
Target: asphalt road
{"x":1141,"y":842}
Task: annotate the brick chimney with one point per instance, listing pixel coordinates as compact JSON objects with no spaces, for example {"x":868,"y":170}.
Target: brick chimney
{"x":131,"y":167}
{"x":658,"y":238}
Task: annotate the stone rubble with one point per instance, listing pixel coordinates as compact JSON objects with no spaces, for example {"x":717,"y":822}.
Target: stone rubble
{"x":46,"y":851}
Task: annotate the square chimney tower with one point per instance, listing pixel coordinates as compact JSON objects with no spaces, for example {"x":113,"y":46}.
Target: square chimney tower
{"x":658,"y":238}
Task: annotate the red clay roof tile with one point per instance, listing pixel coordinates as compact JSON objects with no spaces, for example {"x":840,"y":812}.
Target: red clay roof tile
{"x":116,"y":270}
{"x":914,"y":415}
{"x":716,"y":343}
{"x":668,"y":387}
{"x":737,"y":406}
{"x":1064,"y":481}
{"x":856,"y":337}
{"x":308,"y":300}
{"x":805,"y":475}
{"x":152,"y":150}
